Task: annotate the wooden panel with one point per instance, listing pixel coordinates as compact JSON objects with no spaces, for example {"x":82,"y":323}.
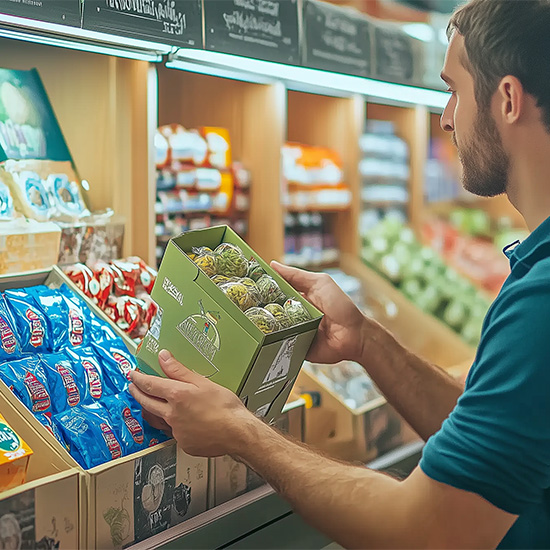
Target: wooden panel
{"x":100,"y":102}
{"x":255,"y":117}
{"x":336,"y":123}
{"x":411,"y":124}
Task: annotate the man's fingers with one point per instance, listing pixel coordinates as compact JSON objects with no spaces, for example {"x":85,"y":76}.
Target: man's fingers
{"x":175,"y":370}
{"x":151,"y":385}
{"x":298,"y":278}
{"x":158,"y":407}
{"x":156,"y":421}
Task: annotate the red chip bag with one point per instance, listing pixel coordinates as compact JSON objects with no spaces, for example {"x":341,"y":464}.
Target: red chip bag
{"x":126,"y":275}
{"x":81,"y":275}
{"x":147,"y":276}
{"x":102,"y":285}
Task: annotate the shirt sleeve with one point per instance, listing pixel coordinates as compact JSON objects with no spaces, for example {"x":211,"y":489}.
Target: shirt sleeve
{"x":496,"y":442}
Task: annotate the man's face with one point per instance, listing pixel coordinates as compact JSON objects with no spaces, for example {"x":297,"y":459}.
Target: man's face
{"x":484,"y":161}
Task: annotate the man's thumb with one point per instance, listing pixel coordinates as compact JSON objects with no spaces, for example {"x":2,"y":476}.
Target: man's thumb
{"x":175,"y":370}
{"x":298,"y":278}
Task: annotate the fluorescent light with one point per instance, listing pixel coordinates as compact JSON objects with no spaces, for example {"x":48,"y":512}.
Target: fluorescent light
{"x":52,"y":34}
{"x":81,"y":46}
{"x":302,"y":78}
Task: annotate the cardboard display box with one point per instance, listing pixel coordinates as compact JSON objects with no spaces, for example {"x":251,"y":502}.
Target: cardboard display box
{"x":46,"y":509}
{"x":351,"y":434}
{"x":129,"y":499}
{"x":208,"y":333}
{"x":230,"y":479}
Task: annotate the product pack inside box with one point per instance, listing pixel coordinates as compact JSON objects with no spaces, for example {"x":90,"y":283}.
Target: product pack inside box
{"x":209,"y":333}
{"x":140,"y":490}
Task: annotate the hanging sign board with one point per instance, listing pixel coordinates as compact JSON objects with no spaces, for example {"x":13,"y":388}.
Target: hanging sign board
{"x":64,"y":12}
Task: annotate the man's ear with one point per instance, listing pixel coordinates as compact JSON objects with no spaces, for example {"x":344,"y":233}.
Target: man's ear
{"x":510,"y":97}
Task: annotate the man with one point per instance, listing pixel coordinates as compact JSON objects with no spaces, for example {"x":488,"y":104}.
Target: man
{"x":484,"y":476}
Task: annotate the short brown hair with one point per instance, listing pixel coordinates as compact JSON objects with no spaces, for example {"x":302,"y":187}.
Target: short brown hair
{"x":506,"y":37}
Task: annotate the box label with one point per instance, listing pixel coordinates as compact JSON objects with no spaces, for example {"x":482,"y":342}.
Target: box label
{"x":17,"y":521}
{"x":154,"y":484}
{"x":63,"y":12}
{"x":266,"y":29}
{"x":201,"y":332}
{"x":280,"y":367}
{"x":175,"y":22}
{"x":337,"y":39}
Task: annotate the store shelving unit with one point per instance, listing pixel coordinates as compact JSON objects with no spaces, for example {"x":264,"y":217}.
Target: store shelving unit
{"x":109,"y":106}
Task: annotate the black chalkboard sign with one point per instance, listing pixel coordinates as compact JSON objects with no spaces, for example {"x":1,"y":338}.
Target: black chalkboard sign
{"x":395,"y":55}
{"x":173,"y":22}
{"x":336,"y":39}
{"x":64,"y":12}
{"x":265,"y":29}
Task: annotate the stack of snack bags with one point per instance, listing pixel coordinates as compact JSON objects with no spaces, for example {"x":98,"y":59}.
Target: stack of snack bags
{"x":121,"y":288}
{"x":71,"y":370}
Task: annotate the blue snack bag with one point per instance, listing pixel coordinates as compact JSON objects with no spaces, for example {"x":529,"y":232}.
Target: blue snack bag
{"x":101,"y":331}
{"x":32,"y":328}
{"x":79,"y":319}
{"x":49,"y":423}
{"x":89,"y":432}
{"x":54,"y":307}
{"x":26,"y":378}
{"x":9,"y":344}
{"x":98,"y":384}
{"x":67,"y":381}
{"x":126,"y":421}
{"x":152,"y":435}
{"x":117,"y":362}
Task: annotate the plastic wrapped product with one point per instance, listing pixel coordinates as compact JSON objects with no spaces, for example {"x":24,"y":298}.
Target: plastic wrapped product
{"x":10,"y":348}
{"x":117,"y":362}
{"x":82,"y":276}
{"x":7,"y":210}
{"x":152,"y":436}
{"x":230,"y":261}
{"x":101,"y":331}
{"x":31,"y":196}
{"x":127,"y":275}
{"x":66,"y":380}
{"x":78,"y":317}
{"x":240,"y":294}
{"x":127,"y":421}
{"x":279,"y":313}
{"x":51,"y":425}
{"x":206,"y":260}
{"x":255,"y":270}
{"x":31,"y":325}
{"x":264,"y":320}
{"x":102,"y":285}
{"x":27,"y":380}
{"x":147,"y":275}
{"x":67,"y":199}
{"x":88,"y":430}
{"x":55,"y":309}
{"x":296,"y":312}
{"x":269,"y":290}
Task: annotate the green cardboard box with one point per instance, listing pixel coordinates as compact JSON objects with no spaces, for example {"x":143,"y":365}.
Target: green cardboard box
{"x":208,"y":333}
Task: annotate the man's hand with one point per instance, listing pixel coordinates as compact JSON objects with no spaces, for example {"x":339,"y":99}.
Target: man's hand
{"x":204,"y":418}
{"x":342,"y":332}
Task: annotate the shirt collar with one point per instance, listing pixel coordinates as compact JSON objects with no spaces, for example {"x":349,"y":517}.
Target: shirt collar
{"x":528,"y":251}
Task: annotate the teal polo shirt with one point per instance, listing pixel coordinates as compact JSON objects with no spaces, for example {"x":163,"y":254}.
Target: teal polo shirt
{"x":496,"y":441}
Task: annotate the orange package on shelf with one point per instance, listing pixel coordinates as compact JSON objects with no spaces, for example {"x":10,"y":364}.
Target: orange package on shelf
{"x":219,"y":146}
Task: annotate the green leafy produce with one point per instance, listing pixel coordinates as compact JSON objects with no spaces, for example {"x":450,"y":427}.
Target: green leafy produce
{"x":296,"y":312}
{"x":207,"y":262}
{"x":455,"y":314}
{"x":279,"y":313}
{"x":219,"y":279}
{"x":263,"y":319}
{"x":269,"y":290}
{"x":255,"y":270}
{"x":230,"y":261}
{"x":252,"y":287}
{"x":239,"y":294}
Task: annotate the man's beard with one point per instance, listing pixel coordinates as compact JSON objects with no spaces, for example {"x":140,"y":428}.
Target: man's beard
{"x":485,"y":164}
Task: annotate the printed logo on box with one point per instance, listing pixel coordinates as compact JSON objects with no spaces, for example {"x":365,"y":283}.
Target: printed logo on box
{"x":172,"y":290}
{"x":201,"y":332}
{"x":281,"y":364}
{"x":9,"y":442}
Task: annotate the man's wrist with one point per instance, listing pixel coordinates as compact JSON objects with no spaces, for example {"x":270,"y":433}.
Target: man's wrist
{"x":373,"y":340}
{"x":247,"y":430}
